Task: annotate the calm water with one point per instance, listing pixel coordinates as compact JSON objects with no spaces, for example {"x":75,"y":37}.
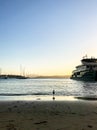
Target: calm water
{"x":35,"y":88}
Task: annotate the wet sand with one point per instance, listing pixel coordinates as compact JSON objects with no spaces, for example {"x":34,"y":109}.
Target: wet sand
{"x":48,"y":115}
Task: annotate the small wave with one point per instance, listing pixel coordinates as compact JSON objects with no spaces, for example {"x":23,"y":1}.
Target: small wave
{"x":11,"y":94}
{"x":22,"y":94}
{"x":41,"y":94}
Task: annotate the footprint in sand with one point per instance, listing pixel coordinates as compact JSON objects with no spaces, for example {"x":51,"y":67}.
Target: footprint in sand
{"x":11,"y":127}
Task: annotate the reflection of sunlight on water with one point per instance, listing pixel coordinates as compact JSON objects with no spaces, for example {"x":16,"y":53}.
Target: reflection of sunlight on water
{"x":37,"y":98}
{"x":56,"y":98}
{"x":65,"y":98}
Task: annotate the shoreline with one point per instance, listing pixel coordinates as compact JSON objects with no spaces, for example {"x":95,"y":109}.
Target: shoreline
{"x":48,"y":115}
{"x":12,"y":97}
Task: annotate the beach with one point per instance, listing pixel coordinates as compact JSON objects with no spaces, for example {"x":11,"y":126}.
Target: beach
{"x":48,"y":115}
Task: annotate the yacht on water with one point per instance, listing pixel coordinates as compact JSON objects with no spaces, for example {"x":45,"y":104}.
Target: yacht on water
{"x":87,"y":71}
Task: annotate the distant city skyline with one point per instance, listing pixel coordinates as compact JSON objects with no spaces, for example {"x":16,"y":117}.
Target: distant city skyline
{"x":46,"y":37}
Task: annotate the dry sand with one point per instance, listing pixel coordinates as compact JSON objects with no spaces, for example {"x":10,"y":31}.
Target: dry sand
{"x":48,"y":115}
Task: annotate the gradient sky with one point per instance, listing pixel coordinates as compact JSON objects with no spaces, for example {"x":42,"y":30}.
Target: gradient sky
{"x":46,"y":37}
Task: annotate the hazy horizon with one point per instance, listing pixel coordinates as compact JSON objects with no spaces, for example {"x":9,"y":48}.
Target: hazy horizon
{"x":46,"y":37}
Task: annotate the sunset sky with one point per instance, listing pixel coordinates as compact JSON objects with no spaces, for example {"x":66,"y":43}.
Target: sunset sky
{"x":46,"y":37}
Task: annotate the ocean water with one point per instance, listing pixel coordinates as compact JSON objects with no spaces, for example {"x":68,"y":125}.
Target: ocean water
{"x":37,"y":89}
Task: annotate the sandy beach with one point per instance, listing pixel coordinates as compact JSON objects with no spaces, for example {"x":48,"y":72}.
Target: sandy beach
{"x":48,"y":115}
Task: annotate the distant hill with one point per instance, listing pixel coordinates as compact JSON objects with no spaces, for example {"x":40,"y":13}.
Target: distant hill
{"x":12,"y":76}
{"x":54,"y":76}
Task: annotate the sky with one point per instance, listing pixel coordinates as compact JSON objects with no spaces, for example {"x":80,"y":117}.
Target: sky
{"x":46,"y":37}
